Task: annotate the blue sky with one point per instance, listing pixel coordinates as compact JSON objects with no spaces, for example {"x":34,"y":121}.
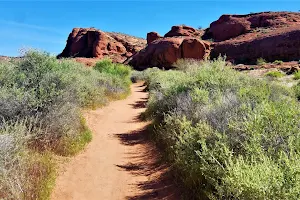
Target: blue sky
{"x":45,"y":25}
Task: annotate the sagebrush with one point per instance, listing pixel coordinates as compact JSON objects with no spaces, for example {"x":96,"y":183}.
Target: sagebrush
{"x":226,"y":135}
{"x":40,"y":114}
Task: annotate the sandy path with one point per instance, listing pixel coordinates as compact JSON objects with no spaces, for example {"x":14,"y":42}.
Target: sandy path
{"x":119,"y":163}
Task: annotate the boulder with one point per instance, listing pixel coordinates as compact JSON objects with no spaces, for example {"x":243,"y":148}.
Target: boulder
{"x":152,"y":36}
{"x":228,"y":27}
{"x":184,"y":31}
{"x":165,"y":52}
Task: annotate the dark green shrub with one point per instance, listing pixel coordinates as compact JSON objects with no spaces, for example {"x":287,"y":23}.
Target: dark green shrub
{"x":261,"y":61}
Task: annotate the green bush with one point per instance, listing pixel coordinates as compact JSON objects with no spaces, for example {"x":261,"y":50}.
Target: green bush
{"x":120,"y":75}
{"x":226,"y":135}
{"x":297,"y":91}
{"x":106,"y":66}
{"x":40,"y":102}
{"x":261,"y":61}
{"x":297,"y":75}
{"x":278,"y":62}
{"x":274,"y":74}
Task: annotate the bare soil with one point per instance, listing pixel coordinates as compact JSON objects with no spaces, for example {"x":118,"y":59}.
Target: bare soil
{"x":120,"y":162}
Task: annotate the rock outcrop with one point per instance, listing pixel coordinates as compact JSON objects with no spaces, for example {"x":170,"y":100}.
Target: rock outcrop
{"x":231,"y":26}
{"x":281,"y":45}
{"x":163,"y":53}
{"x":93,"y":43}
{"x":152,"y":36}
{"x":245,"y":38}
{"x":184,"y":31}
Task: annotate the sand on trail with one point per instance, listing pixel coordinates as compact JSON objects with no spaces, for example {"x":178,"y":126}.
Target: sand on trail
{"x":119,"y":163}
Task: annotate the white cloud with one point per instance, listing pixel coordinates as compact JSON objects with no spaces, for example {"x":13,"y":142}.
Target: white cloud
{"x":31,"y":26}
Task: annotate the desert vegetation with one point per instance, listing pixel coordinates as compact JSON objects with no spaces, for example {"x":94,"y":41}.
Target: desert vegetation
{"x":297,"y":75}
{"x":225,"y":135}
{"x":41,"y":99}
{"x":274,"y":74}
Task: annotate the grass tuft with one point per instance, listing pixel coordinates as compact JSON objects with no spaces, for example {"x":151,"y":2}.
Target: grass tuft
{"x":274,"y":74}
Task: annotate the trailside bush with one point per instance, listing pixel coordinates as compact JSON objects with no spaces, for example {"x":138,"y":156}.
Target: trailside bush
{"x":106,"y":66}
{"x":119,"y":74}
{"x":274,"y":74}
{"x":226,"y":135}
{"x":40,"y":102}
{"x":297,"y":75}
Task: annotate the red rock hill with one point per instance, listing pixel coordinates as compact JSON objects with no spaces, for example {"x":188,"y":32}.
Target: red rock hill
{"x":93,"y":43}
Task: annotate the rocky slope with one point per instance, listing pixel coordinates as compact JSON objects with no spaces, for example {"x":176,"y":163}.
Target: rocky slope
{"x":283,"y":44}
{"x":93,"y":43}
{"x":245,"y":38}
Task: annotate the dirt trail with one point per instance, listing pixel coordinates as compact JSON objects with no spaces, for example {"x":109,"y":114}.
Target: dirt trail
{"x":119,"y":163}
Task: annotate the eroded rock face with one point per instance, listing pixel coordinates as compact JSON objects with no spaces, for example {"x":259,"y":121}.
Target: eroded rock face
{"x":93,"y":43}
{"x":231,"y":26}
{"x":228,"y":27}
{"x":283,"y":44}
{"x":163,"y":53}
{"x":184,"y":31}
{"x":152,"y":36}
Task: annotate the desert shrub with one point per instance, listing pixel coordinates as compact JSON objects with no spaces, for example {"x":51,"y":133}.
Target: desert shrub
{"x":296,"y":89}
{"x":297,"y":75}
{"x":40,"y":102}
{"x":278,"y":62}
{"x":226,"y":135}
{"x":137,"y":76}
{"x":274,"y":74}
{"x":23,"y":174}
{"x":185,"y":64}
{"x":106,"y":66}
{"x":119,"y":74}
{"x":261,"y":61}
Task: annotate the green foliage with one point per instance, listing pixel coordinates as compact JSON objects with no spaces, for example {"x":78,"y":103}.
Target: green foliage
{"x":297,"y":75}
{"x":278,"y":62}
{"x":261,"y":61}
{"x":119,"y":74}
{"x":297,"y":91}
{"x":40,"y":102}
{"x":68,"y":146}
{"x":226,"y":135}
{"x":274,"y":74}
{"x":106,"y":66}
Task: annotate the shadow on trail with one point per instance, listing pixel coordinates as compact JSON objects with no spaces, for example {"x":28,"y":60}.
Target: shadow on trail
{"x":146,"y":161}
{"x":139,"y":104}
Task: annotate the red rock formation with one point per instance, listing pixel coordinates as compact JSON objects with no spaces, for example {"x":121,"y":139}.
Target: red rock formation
{"x":93,"y":43}
{"x":282,"y":44}
{"x":231,"y":26}
{"x":152,"y":36}
{"x":164,"y":52}
{"x":184,"y":31}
